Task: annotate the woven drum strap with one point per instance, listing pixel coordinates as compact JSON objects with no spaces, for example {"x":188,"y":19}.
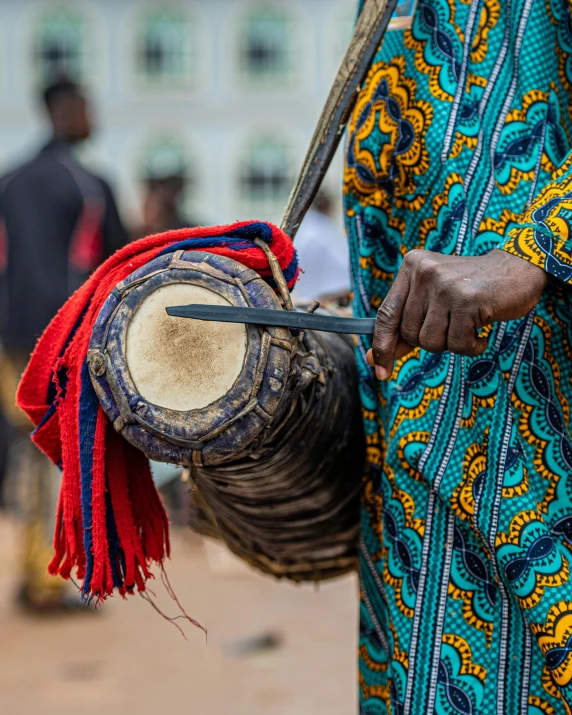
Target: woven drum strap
{"x":368,"y":34}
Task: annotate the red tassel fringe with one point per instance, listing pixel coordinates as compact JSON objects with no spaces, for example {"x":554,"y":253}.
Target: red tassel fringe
{"x":120,"y":477}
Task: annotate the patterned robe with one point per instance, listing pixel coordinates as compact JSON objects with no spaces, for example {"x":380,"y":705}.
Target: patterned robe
{"x":461,"y":142}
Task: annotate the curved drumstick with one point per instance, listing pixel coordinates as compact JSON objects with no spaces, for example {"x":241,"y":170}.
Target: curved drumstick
{"x":293,"y":319}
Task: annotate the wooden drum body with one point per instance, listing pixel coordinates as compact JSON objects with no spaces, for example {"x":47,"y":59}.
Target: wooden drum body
{"x":268,"y":422}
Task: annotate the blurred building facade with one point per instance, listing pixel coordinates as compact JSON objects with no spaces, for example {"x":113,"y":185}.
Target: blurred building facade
{"x":227,"y":91}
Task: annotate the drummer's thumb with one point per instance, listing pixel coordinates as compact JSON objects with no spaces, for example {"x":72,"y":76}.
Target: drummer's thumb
{"x":381,"y":371}
{"x":386,"y":337}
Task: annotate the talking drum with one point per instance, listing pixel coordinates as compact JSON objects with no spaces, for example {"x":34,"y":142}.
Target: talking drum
{"x":267,"y":421}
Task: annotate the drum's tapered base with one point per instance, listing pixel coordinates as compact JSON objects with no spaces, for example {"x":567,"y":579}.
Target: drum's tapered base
{"x":290,"y":508}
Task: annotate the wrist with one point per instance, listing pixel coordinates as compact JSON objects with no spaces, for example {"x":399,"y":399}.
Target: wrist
{"x":522,"y":270}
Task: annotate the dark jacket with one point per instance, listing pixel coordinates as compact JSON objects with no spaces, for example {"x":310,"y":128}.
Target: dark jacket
{"x":57,"y":223}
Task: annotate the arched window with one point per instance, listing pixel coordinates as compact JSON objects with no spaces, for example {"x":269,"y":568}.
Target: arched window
{"x":266,"y":51}
{"x":165,"y":157}
{"x":165,"y":48}
{"x":60,"y":44}
{"x":265,"y":174}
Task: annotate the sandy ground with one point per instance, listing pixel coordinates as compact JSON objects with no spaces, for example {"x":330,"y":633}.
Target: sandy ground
{"x":127,"y":659}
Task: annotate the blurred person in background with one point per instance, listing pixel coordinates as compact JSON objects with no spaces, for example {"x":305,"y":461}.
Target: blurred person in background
{"x":164,"y":184}
{"x":161,"y":205}
{"x":323,"y":252}
{"x":58,"y":222}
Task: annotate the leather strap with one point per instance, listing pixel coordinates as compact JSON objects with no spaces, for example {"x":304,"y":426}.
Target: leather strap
{"x":368,"y":34}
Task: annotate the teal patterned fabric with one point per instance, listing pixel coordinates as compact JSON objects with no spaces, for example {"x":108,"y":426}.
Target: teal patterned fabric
{"x":460,"y":143}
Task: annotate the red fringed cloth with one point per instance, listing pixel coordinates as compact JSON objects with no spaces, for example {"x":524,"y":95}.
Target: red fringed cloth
{"x":111,"y":524}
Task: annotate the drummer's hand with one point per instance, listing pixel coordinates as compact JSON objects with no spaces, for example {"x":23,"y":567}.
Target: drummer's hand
{"x":440,"y":302}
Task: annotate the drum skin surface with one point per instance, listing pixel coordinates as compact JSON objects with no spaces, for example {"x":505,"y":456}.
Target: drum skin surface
{"x":185,"y":391}
{"x":178,"y":363}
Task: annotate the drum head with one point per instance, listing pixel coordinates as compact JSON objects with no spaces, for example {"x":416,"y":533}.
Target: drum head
{"x":179,"y":363}
{"x":189,"y":391}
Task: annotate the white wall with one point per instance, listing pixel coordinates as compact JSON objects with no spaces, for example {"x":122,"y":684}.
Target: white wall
{"x":216,"y":116}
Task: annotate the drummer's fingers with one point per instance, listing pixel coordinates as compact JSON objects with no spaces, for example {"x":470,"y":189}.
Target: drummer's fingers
{"x":401,"y":351}
{"x":387,"y":337}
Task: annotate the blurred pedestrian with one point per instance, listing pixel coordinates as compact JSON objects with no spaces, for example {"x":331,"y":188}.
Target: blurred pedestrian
{"x":58,"y":221}
{"x":164,"y":182}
